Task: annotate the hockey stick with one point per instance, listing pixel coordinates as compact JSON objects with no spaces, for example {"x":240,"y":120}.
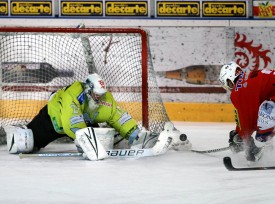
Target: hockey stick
{"x":228,"y":164}
{"x":211,"y":150}
{"x":113,"y":153}
{"x":65,"y":154}
{"x":160,"y":147}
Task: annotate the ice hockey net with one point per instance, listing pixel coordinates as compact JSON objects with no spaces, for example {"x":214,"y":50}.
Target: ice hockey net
{"x":37,"y":61}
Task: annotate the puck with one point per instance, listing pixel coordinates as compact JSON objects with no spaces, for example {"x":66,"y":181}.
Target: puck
{"x":183,"y":137}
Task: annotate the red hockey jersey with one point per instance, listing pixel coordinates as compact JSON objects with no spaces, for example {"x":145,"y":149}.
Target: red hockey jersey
{"x":248,"y":94}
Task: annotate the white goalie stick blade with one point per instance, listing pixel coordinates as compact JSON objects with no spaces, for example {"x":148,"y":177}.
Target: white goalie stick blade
{"x":89,"y":143}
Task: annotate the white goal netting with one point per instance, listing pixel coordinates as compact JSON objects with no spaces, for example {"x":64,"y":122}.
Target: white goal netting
{"x":37,"y":61}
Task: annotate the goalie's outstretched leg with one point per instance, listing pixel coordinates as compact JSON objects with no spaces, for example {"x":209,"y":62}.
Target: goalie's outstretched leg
{"x":19,"y":139}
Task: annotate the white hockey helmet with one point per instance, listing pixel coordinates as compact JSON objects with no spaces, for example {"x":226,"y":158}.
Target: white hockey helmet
{"x":95,"y":86}
{"x":228,"y":75}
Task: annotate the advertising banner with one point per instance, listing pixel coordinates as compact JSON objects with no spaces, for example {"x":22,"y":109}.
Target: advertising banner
{"x":80,"y":8}
{"x":4,"y":8}
{"x":127,"y":8}
{"x":177,"y":9}
{"x":264,"y":9}
{"x":135,"y":8}
{"x":232,"y":9}
{"x":27,"y":8}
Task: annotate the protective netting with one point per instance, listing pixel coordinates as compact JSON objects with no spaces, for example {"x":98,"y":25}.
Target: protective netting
{"x":34,"y":64}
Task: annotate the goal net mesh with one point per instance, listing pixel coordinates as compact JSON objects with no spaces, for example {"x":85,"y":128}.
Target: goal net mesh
{"x":34,"y":64}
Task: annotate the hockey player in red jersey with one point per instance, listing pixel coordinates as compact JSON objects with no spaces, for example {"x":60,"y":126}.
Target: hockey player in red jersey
{"x":253,"y":96}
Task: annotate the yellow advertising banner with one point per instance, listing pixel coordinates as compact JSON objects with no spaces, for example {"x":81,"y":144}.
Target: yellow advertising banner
{"x":126,"y":8}
{"x":4,"y":8}
{"x":81,"y":8}
{"x":31,"y":8}
{"x":178,"y":8}
{"x":224,"y":9}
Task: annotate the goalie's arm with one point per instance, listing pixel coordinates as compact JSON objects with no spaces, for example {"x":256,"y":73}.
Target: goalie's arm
{"x":117,"y":118}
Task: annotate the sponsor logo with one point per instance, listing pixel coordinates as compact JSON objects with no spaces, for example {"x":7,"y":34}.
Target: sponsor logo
{"x":125,"y":152}
{"x":82,"y":8}
{"x":104,"y":103}
{"x":56,"y":126}
{"x":263,"y":114}
{"x":76,"y":119}
{"x":126,"y":8}
{"x":4,"y":8}
{"x":239,"y":83}
{"x":224,"y":9}
{"x":81,"y":98}
{"x":264,"y":9}
{"x":31,"y":8}
{"x":102,"y":85}
{"x":178,"y":8}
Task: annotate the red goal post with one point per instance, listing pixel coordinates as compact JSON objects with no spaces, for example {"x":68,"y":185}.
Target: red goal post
{"x":36,"y":61}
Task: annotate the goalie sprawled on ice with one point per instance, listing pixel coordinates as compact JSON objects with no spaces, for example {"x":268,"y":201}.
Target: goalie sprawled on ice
{"x":73,"y":110}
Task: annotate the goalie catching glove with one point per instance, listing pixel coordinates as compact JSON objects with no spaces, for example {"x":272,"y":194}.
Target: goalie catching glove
{"x":179,"y":140}
{"x":146,"y":139}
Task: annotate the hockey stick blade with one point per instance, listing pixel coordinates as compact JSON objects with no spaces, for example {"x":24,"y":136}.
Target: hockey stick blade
{"x":228,"y":164}
{"x":211,"y":150}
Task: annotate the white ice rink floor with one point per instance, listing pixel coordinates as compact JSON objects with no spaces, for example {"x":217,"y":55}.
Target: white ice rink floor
{"x":172,"y":178}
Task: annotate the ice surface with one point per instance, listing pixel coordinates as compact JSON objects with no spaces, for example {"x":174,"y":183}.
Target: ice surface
{"x":173,"y":178}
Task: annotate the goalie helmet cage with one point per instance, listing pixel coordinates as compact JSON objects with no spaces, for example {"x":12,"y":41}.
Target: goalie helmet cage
{"x":37,"y":61}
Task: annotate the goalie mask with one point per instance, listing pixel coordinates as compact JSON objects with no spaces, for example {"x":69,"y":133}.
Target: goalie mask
{"x":229,"y":75}
{"x":95,"y":87}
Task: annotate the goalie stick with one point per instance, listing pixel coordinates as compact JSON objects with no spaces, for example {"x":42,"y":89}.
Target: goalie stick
{"x":160,"y":147}
{"x":113,"y":153}
{"x":228,"y":164}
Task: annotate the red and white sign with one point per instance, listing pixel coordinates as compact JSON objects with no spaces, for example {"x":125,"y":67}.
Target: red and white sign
{"x":264,"y":9}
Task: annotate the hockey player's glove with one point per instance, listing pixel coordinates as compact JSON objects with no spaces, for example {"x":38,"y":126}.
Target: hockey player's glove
{"x":133,"y":136}
{"x":236,"y":143}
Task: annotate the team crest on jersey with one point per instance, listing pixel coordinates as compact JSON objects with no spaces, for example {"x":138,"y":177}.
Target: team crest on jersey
{"x":81,"y":98}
